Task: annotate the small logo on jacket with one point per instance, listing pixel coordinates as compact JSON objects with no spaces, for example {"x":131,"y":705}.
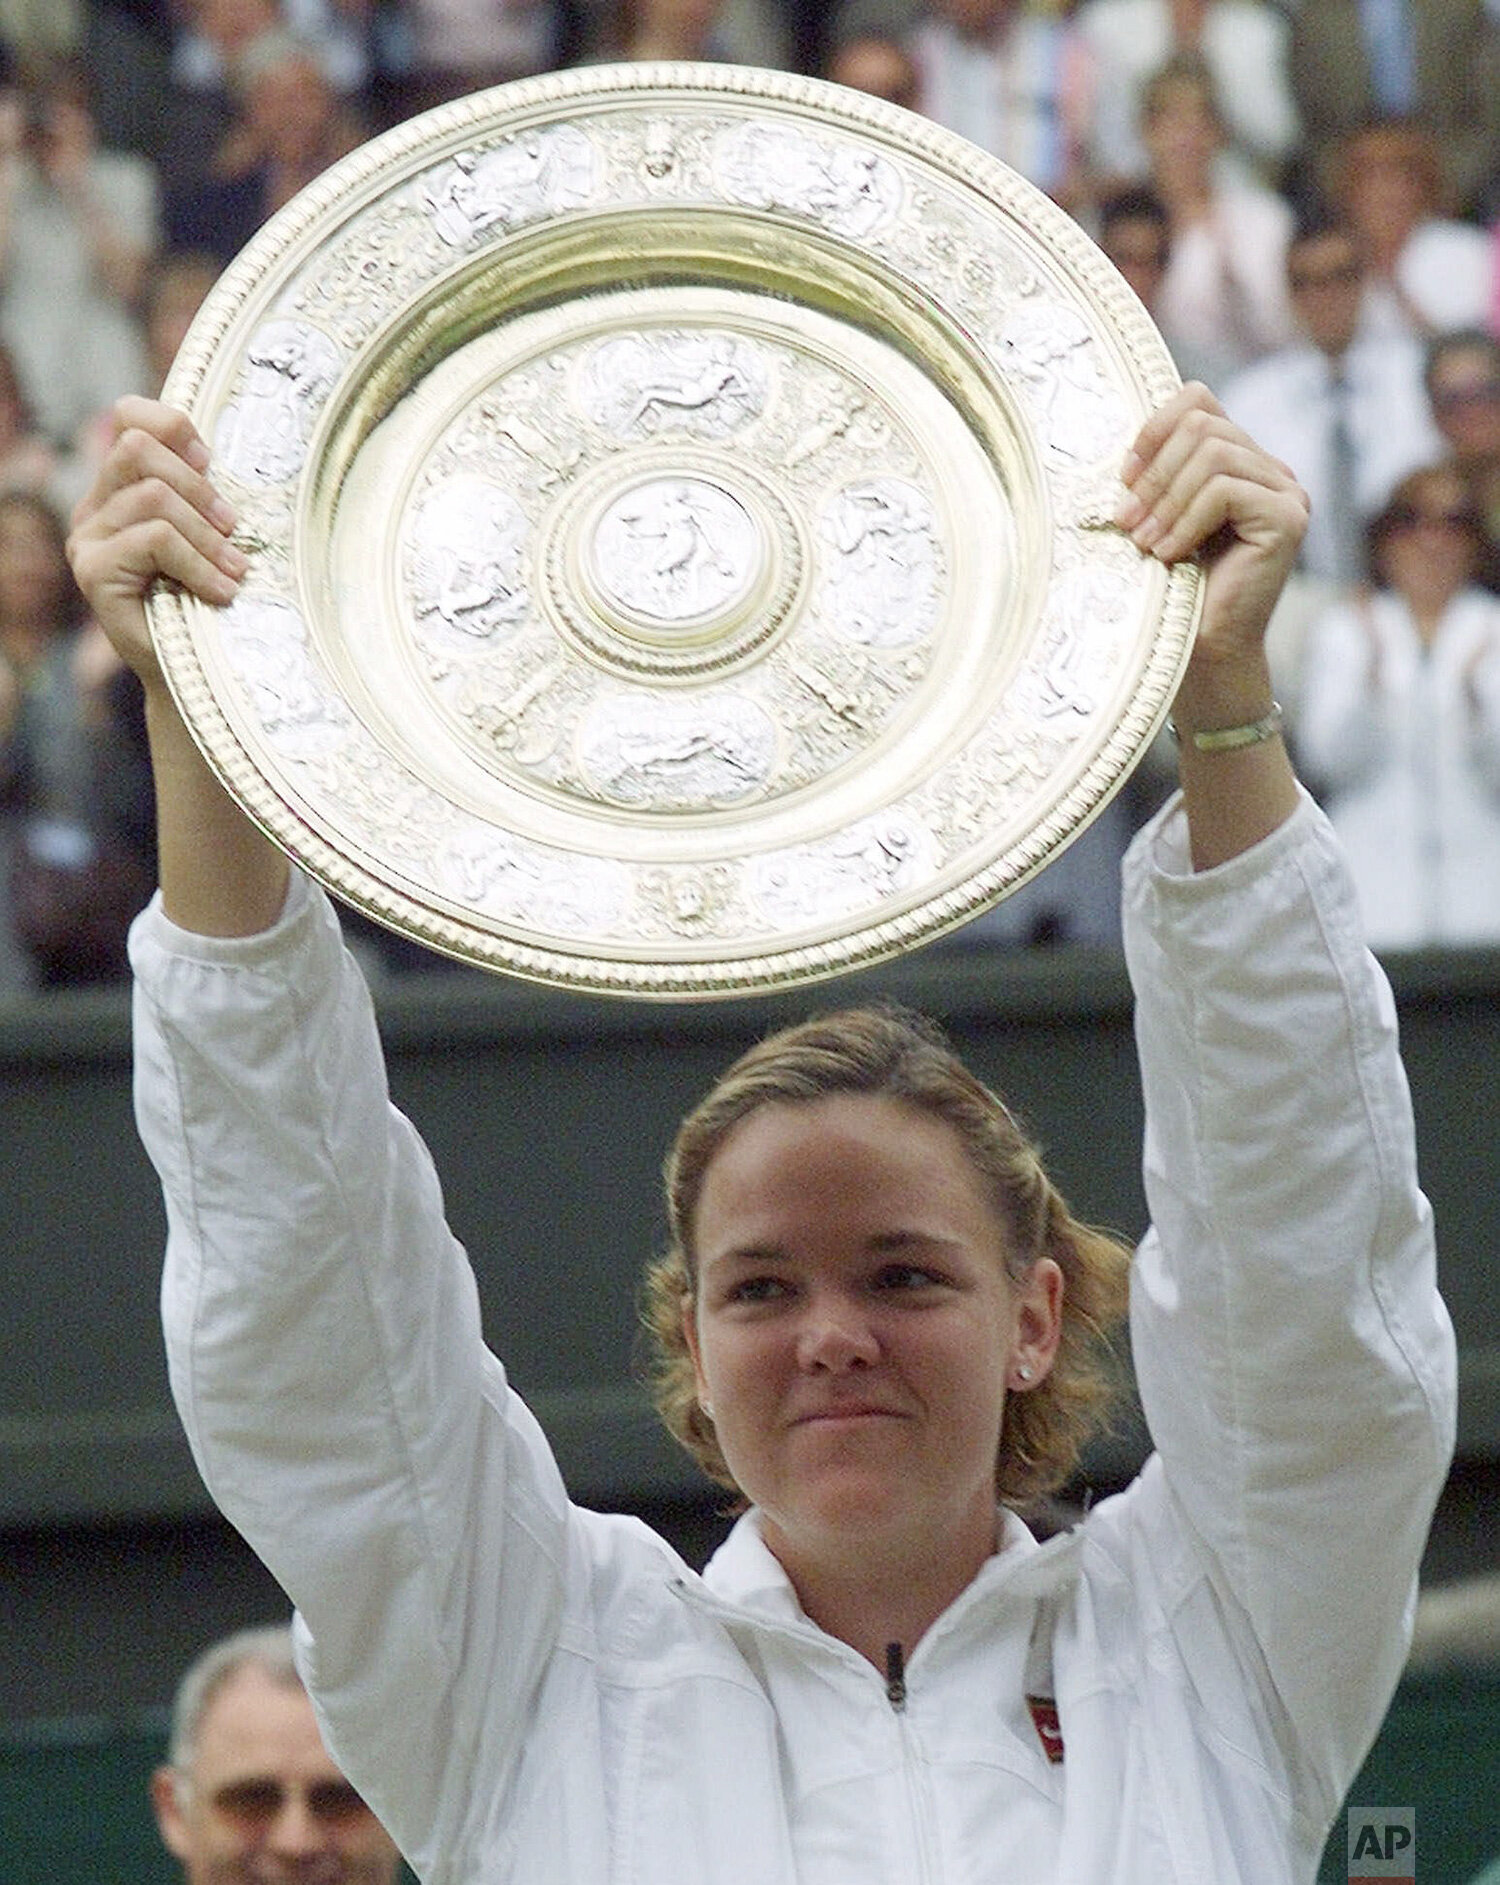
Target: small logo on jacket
{"x":1382,"y":1845}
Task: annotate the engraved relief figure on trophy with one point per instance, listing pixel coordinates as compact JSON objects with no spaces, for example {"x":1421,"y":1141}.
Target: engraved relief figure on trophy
{"x":466,"y":557}
{"x":263,"y":433}
{"x":265,"y":640}
{"x":884,"y":580}
{"x":677,"y":755}
{"x":851,"y":191}
{"x":676,"y":549}
{"x":862,"y":867}
{"x":1079,"y":415}
{"x":529,"y":177}
{"x":703,"y":383}
{"x":514,"y":879}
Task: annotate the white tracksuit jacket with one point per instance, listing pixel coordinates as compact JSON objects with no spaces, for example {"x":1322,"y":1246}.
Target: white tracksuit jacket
{"x":531,"y":1693}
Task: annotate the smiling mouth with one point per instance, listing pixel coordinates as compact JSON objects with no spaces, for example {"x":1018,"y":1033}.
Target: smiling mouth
{"x":844,"y":1416}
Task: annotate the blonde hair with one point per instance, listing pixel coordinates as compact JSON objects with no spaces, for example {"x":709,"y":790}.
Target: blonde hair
{"x":892,"y":1052}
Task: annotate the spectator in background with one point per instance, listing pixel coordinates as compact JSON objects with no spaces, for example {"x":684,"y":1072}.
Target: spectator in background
{"x":1399,"y":723}
{"x":248,"y":1790}
{"x":199,"y":110}
{"x":1008,"y":76}
{"x":739,"y":32}
{"x":78,"y":226}
{"x":28,"y":460}
{"x":880,"y":66}
{"x":1348,"y":412}
{"x":1425,"y":272}
{"x":215,"y":32}
{"x":1242,"y":42}
{"x":1135,"y":232}
{"x":291,"y":126}
{"x":75,"y":806}
{"x":453,"y":47}
{"x":1224,"y":293}
{"x":175,"y":290}
{"x":1463,"y":388}
{"x":1436,"y":62}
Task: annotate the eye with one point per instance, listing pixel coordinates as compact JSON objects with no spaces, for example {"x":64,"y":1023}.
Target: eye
{"x":250,"y":1800}
{"x":758,"y":1289}
{"x":907,"y":1276}
{"x":336,"y":1801}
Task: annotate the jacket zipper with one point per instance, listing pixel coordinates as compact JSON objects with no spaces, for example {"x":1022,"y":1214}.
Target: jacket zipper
{"x":895,"y":1676}
{"x":916,"y":1793}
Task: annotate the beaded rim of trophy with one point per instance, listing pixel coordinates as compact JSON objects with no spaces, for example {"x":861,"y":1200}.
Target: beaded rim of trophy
{"x":679,"y":510}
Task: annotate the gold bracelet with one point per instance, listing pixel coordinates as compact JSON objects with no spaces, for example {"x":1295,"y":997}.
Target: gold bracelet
{"x":1231,"y":739}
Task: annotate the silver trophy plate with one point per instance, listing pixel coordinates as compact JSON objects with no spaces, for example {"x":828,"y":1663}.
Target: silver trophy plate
{"x":678,"y":502}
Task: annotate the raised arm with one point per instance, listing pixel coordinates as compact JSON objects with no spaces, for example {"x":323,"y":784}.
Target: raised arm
{"x":1197,"y":484}
{"x":1294,"y":1360}
{"x":322,"y":1324}
{"x":153,"y":512}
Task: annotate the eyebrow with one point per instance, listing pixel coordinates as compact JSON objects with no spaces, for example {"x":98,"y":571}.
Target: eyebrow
{"x":879,"y":1243}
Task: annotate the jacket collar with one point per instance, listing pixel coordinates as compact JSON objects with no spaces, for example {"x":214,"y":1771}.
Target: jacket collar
{"x":745,"y":1573}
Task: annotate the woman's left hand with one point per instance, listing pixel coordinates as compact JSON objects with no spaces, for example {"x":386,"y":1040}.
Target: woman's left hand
{"x":1196,"y":482}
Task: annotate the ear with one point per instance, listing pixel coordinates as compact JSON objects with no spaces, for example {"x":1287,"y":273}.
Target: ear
{"x":689,"y":1310}
{"x":1038,"y":1329}
{"x":166,"y":1804}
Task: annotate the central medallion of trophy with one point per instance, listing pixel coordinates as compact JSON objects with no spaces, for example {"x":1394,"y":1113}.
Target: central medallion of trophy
{"x":677,"y":555}
{"x":673,"y":565}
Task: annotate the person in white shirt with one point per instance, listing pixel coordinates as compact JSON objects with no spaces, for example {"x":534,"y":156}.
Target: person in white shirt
{"x":1428,"y":272}
{"x":1135,"y":232}
{"x":1243,"y":43}
{"x":1009,"y":76}
{"x":1347,"y":411}
{"x":1224,"y":293}
{"x":78,"y":228}
{"x":1462,"y":375}
{"x":1399,"y":722}
{"x":877,"y":1320}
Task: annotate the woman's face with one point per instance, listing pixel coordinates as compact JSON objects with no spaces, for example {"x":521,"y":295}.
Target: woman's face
{"x":1465,"y":388}
{"x":1430,"y":551}
{"x":855,"y":1332}
{"x":32,"y":572}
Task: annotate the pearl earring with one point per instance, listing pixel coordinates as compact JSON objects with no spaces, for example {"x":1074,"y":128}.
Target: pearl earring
{"x":1023,"y":1373}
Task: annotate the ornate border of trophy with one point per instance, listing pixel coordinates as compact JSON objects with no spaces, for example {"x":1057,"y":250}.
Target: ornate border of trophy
{"x":679,"y":510}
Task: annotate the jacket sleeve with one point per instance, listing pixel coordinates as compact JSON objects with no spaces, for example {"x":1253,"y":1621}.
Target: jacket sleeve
{"x":1295,"y":1361}
{"x":326,"y":1357}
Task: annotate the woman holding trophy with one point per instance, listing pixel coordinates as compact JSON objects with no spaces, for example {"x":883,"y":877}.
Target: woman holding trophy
{"x":875,"y":1321}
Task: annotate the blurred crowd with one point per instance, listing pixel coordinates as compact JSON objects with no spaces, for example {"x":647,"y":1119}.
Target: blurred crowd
{"x":1305,"y":194}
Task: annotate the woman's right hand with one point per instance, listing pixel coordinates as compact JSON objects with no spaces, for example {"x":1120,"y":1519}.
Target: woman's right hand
{"x":151,"y":512}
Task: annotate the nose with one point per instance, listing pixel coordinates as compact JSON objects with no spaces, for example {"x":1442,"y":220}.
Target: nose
{"x":836,"y":1334}
{"x":295,"y":1832}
